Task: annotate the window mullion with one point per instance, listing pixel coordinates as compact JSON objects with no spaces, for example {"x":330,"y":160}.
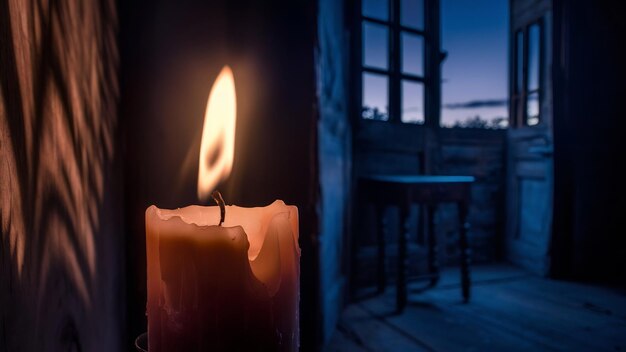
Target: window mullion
{"x":524,"y":92}
{"x":357,"y":72}
{"x":374,"y":20}
{"x":431,"y":98}
{"x":395,"y":101}
{"x":541,"y":63}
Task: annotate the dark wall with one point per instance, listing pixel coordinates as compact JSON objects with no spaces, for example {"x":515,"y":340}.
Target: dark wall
{"x":171,"y":52}
{"x":61,"y":257}
{"x":589,"y":240}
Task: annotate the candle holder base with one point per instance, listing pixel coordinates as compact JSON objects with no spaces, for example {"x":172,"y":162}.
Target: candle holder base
{"x":141,"y":342}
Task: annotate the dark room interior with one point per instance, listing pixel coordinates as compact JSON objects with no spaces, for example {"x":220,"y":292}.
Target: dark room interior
{"x":371,"y":175}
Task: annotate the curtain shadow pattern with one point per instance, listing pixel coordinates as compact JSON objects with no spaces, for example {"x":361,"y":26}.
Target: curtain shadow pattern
{"x":59,"y":265}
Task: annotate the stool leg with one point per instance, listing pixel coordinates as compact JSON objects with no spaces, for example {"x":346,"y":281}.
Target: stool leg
{"x":465,"y":251}
{"x":422,"y":222}
{"x":381,"y":234}
{"x":403,"y":234}
{"x":433,"y":249}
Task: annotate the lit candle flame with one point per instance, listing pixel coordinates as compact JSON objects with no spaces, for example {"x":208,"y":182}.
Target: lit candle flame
{"x":217,"y":148}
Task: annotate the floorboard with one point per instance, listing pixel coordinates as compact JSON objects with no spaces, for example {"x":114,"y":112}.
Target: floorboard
{"x":510,"y":310}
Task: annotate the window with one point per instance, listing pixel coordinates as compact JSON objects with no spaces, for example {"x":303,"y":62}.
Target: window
{"x":392,"y":70}
{"x":527,"y":75}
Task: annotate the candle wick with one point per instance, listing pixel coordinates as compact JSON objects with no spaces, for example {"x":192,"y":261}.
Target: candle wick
{"x":217,"y":197}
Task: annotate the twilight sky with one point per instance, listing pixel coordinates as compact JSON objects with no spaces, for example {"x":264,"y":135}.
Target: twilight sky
{"x":474,"y":33}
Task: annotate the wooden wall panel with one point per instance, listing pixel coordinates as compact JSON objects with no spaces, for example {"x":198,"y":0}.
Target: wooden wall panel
{"x":334,"y":160}
{"x":60,"y":254}
{"x":479,"y":153}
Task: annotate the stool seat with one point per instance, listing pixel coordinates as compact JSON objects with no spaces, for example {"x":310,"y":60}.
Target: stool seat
{"x":418,"y":179}
{"x":402,"y":190}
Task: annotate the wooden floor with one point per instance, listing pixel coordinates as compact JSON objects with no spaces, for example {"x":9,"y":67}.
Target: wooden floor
{"x":510,"y":310}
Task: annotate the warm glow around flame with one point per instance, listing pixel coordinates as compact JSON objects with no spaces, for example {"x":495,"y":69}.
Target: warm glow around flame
{"x":217,"y":149}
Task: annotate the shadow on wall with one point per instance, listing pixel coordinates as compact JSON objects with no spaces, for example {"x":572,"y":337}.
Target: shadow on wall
{"x":60,"y":263}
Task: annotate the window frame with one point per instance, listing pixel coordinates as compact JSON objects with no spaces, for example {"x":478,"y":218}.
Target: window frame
{"x":519,"y":99}
{"x":394,"y":72}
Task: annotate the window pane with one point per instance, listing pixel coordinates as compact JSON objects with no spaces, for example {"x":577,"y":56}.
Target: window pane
{"x":519,"y":62}
{"x":375,"y":97}
{"x":533,"y":57}
{"x":375,"y":45}
{"x":412,"y":13}
{"x":378,"y":9}
{"x":532,"y":109}
{"x":412,"y":102}
{"x":412,"y":54}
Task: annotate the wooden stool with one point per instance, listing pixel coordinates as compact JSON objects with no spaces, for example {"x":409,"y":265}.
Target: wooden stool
{"x":404,"y":190}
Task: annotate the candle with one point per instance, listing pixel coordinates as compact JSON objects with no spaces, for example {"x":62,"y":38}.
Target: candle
{"x":230,"y":287}
{"x":222,"y":278}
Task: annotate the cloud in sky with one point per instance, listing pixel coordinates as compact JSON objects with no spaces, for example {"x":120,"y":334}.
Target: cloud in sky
{"x":475,"y":104}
